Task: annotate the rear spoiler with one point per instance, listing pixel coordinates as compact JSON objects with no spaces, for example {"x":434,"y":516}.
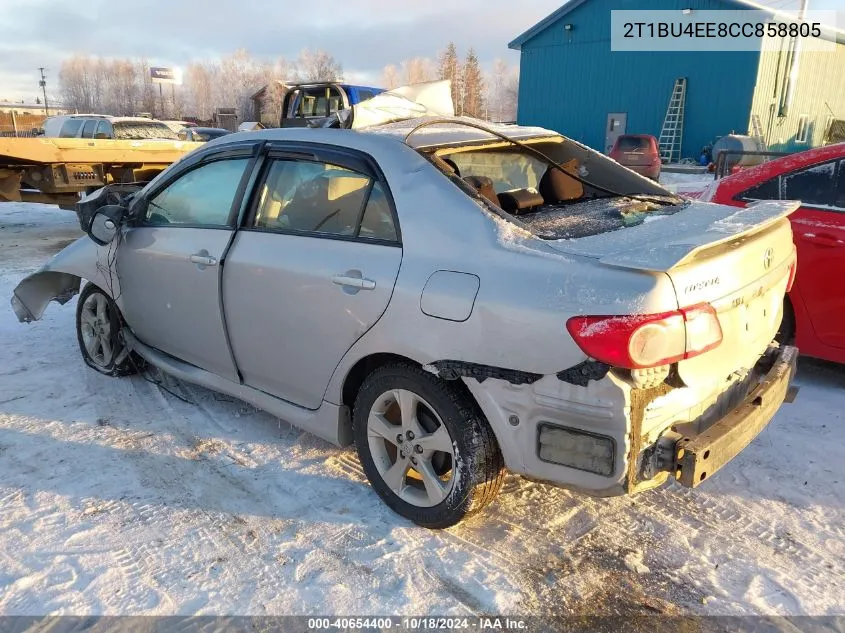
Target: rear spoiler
{"x":670,"y":241}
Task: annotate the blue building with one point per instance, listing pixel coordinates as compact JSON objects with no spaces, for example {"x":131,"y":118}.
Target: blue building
{"x":571,"y":81}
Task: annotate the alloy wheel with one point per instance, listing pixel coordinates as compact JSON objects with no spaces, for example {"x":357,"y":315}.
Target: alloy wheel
{"x":411,"y":447}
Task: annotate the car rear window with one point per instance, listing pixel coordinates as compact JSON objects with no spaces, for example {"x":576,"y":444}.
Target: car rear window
{"x":137,"y":130}
{"x":553,"y":205}
{"x":633,"y":144}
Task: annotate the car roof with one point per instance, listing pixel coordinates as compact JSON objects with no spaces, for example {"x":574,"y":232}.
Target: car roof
{"x":209,"y":129}
{"x":448,"y":131}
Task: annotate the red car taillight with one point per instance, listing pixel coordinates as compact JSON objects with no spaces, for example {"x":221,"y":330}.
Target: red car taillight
{"x":641,"y":341}
{"x":793,"y":269}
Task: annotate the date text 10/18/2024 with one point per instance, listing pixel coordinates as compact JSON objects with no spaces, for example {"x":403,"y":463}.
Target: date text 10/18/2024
{"x":418,"y":623}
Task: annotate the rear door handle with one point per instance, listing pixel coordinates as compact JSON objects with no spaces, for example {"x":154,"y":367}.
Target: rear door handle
{"x":203,"y":259}
{"x":354,"y":282}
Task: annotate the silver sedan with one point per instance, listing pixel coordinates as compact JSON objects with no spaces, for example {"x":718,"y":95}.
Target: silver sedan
{"x":453,"y":300}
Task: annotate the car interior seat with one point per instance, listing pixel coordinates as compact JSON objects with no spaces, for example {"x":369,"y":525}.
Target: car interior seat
{"x":556,"y":187}
{"x":484,"y":186}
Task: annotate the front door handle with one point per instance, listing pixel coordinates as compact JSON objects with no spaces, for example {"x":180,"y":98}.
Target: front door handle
{"x":203,"y":259}
{"x":354,"y":282}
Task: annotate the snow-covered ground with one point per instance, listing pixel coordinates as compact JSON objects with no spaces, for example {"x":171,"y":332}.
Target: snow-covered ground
{"x":116,"y":497}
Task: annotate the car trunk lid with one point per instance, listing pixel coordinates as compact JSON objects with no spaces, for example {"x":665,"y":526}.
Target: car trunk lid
{"x":737,"y":260}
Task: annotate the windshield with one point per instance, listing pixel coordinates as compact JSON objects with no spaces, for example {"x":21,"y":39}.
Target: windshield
{"x":599,"y":196}
{"x":139,"y":130}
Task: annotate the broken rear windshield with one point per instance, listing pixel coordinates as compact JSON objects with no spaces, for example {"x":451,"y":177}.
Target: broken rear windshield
{"x":552,"y":205}
{"x":137,"y":130}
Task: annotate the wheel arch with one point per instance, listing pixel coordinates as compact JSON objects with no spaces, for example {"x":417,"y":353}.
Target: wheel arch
{"x":366,"y":365}
{"x":61,"y":278}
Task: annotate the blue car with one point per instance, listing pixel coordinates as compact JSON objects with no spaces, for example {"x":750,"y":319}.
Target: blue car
{"x":310,"y":104}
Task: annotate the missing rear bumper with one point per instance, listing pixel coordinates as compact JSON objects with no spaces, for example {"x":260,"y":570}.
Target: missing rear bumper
{"x":696,"y":458}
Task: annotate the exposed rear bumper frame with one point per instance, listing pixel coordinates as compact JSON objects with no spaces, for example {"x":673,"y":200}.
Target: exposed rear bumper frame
{"x":698,"y":457}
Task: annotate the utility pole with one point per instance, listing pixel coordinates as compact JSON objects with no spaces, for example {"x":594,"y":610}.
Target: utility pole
{"x":43,"y":84}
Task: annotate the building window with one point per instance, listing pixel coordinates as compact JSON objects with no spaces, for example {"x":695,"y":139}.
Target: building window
{"x":803,"y":133}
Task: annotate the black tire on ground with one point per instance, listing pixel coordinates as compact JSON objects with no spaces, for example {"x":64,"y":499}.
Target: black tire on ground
{"x":98,"y":319}
{"x":477,"y":468}
{"x":786,"y":331}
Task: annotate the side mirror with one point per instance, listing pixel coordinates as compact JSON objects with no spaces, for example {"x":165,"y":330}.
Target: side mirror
{"x":105,"y":223}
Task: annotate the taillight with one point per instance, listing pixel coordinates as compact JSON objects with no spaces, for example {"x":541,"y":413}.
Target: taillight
{"x":640,"y":341}
{"x":793,"y":269}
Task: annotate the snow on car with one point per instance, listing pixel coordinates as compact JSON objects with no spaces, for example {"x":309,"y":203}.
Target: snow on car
{"x":455,"y":299}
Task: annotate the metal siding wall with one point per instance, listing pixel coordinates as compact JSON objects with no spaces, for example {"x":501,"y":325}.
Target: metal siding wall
{"x":571,"y":86}
{"x":819,"y":93}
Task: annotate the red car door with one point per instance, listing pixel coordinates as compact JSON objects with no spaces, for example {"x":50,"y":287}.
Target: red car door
{"x":819,"y":233}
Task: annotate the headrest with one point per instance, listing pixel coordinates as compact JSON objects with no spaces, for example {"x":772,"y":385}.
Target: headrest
{"x":484,"y":186}
{"x":556,"y":186}
{"x":519,"y":201}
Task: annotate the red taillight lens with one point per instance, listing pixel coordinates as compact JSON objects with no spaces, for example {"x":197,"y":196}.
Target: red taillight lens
{"x":793,"y":269}
{"x":647,"y":340}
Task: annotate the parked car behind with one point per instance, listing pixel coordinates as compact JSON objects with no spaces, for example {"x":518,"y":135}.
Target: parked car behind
{"x":638,"y":152}
{"x":453,"y":302}
{"x":99,"y":126}
{"x":201,"y":134}
{"x":813,"y":314}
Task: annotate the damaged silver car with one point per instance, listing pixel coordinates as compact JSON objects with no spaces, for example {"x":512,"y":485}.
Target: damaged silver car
{"x":457,"y":300}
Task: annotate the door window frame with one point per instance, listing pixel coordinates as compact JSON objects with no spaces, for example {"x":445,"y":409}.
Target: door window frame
{"x":346,"y":158}
{"x":248,"y":151}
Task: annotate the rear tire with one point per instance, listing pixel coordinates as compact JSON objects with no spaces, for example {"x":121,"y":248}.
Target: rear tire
{"x":425,"y":446}
{"x":99,"y":331}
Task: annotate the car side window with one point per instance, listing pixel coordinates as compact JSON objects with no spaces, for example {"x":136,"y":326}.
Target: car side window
{"x":813,"y":185}
{"x":203,"y":196}
{"x":768,"y":190}
{"x":839,"y":189}
{"x":322,"y":198}
{"x":70,"y":128}
{"x":377,"y":222}
{"x":103,"y":130}
{"x":88,"y":130}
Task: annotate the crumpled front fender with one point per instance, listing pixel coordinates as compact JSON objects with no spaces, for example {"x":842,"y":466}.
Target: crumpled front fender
{"x":60,"y":278}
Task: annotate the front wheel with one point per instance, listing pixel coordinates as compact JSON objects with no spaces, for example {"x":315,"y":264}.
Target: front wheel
{"x":98,"y":330}
{"x":425,"y":447}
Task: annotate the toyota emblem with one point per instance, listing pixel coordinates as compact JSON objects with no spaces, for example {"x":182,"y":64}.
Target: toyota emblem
{"x":767,"y":258}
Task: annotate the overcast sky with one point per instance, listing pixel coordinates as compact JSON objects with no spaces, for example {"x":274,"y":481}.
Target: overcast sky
{"x":363,"y":34}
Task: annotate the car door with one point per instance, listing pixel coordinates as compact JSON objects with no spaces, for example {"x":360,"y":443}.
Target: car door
{"x":169,"y":262}
{"x":311,"y":270}
{"x":819,"y":230}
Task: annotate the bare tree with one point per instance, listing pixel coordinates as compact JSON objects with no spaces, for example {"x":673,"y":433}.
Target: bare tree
{"x":503,"y":91}
{"x":418,"y":69}
{"x":318,"y":66}
{"x":390,"y":76}
{"x":199,"y":80}
{"x":147,"y":99}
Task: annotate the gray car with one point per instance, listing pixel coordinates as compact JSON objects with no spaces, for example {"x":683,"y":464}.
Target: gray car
{"x":455,"y":300}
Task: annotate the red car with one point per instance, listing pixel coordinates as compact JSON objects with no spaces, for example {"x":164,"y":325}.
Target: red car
{"x":815,"y":310}
{"x":638,"y":152}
